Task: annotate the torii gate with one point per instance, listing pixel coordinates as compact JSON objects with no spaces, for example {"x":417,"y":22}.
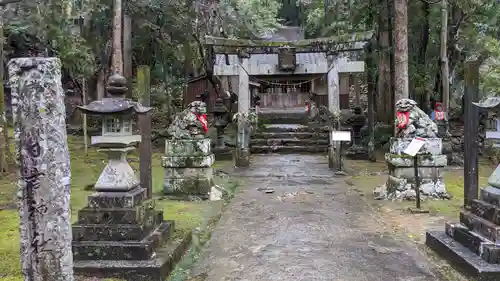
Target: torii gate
{"x":337,"y":52}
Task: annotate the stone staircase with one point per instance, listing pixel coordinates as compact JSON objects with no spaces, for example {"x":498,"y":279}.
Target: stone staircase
{"x":287,"y":132}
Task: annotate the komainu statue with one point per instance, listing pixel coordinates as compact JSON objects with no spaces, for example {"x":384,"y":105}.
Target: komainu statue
{"x":190,"y":123}
{"x":412,"y":122}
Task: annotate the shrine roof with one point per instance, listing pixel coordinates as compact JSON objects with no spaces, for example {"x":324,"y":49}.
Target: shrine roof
{"x":491,"y":103}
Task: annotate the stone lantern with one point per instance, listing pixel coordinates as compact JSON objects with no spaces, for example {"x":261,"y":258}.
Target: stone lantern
{"x":220,"y":111}
{"x":116,"y":138}
{"x":220,"y":120}
{"x":118,"y":234}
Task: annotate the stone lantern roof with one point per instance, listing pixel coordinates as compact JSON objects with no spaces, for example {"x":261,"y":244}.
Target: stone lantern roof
{"x":115,"y":102}
{"x":489,"y":103}
{"x":219,"y":106}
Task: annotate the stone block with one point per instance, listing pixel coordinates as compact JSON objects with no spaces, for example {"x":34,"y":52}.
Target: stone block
{"x":118,"y":232}
{"x":157,"y":268}
{"x":469,"y":239}
{"x":188,"y":186}
{"x":188,"y":173}
{"x":485,"y":210}
{"x":423,"y":160}
{"x":188,"y":161}
{"x":127,"y":199}
{"x":494,"y":179}
{"x":491,"y":253}
{"x":480,"y":226}
{"x":461,"y":257}
{"x":490,"y":195}
{"x":433,"y":173}
{"x":222,"y":153}
{"x":241,"y":157}
{"x":133,"y":215}
{"x":187,"y":147}
{"x":433,"y":146}
{"x":126,"y":250}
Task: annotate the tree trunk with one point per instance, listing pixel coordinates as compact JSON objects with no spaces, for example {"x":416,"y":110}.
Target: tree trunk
{"x":101,"y":80}
{"x":401,"y":50}
{"x":5,"y":155}
{"x":117,"y":57}
{"x":127,"y":52}
{"x":445,"y":73}
{"x":384,"y":93}
{"x":423,"y":96}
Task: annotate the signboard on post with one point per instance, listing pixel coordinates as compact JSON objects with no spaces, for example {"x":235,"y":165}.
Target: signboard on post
{"x":414,"y":147}
{"x":341,"y":135}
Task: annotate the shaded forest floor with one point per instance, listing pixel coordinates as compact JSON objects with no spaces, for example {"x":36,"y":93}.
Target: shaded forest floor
{"x":85,"y":170}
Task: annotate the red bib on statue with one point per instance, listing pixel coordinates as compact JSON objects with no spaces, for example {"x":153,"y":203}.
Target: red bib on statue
{"x":203,"y":120}
{"x":439,"y":115}
{"x":403,"y":119}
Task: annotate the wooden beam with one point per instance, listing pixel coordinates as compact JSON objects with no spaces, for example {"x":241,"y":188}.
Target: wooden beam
{"x":302,"y":69}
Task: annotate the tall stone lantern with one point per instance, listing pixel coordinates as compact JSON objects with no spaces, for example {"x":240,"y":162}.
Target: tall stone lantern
{"x":221,"y":113}
{"x":118,"y":234}
{"x":116,"y":138}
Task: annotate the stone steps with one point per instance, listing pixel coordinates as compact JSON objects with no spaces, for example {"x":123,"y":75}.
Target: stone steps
{"x":290,"y":139}
{"x":291,"y":135}
{"x":295,"y":116}
{"x":123,"y":250}
{"x":288,"y":142}
{"x":288,"y":149}
{"x":287,"y":128}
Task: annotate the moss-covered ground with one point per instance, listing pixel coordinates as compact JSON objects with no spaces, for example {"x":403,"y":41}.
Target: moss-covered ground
{"x":85,"y":170}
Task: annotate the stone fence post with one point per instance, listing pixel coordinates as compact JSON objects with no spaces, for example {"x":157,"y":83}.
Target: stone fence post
{"x":44,"y":183}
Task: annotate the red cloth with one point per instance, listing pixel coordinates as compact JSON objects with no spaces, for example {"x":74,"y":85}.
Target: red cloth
{"x":439,"y":115}
{"x":403,"y":119}
{"x":203,"y":120}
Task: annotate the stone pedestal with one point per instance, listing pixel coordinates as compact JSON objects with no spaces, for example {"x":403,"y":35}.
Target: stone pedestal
{"x":188,"y":168}
{"x":241,"y":157}
{"x":401,"y":182}
{"x":473,"y":244}
{"x":222,"y":153}
{"x":120,"y":235}
{"x":357,"y":152}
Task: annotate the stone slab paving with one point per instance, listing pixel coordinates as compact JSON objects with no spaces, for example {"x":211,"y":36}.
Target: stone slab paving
{"x":311,"y":228}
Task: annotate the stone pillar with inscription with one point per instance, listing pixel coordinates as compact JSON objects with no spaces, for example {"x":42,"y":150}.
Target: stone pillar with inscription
{"x":44,"y":194}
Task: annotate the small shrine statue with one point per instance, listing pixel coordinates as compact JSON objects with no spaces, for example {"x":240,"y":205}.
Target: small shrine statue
{"x":440,"y":118}
{"x":190,"y":123}
{"x":438,"y":114}
{"x":312,"y":109}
